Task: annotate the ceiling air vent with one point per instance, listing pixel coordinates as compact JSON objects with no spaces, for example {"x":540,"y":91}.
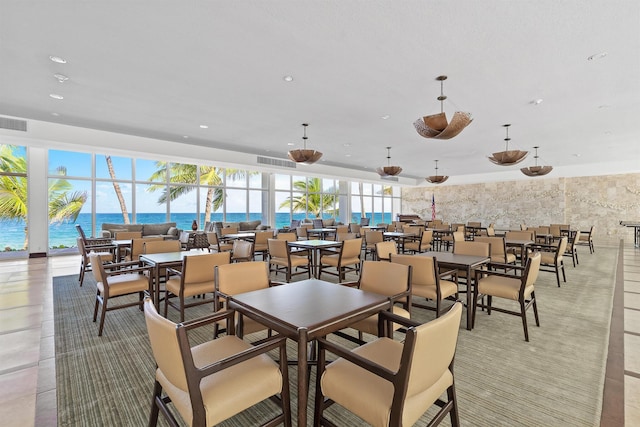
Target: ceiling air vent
{"x":389,"y":178}
{"x":13,"y":124}
{"x":276,"y":162}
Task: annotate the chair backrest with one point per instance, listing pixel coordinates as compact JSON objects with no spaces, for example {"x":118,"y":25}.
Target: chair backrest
{"x":97,"y":268}
{"x":165,"y":346}
{"x":127,"y":235}
{"x":263,"y":236}
{"x":472,"y":248}
{"x":351,"y":248}
{"x":430,"y":349}
{"x":491,"y":231}
{"x":137,"y":246}
{"x":287,"y":237}
{"x":523,"y":227}
{"x":81,"y":248}
{"x":81,"y":232}
{"x":364,"y":222}
{"x":561,"y":248}
{"x":317,"y":223}
{"x":474,"y":224}
{"x":295,"y":223}
{"x":342,"y":229}
{"x":201,"y":268}
{"x":532,"y":269}
{"x":554,"y":229}
{"x":212,"y":238}
{"x":228,"y":230}
{"x":571,"y":243}
{"x":159,"y":246}
{"x":458,"y":227}
{"x":373,"y":237}
{"x":341,"y":237}
{"x":385,"y":249}
{"x":242,"y":250}
{"x":426,"y":238}
{"x":233,"y":279}
{"x":354,"y":228}
{"x":385,"y":278}
{"x":302,"y":232}
{"x":520,"y":235}
{"x":458,"y":236}
{"x":423,"y":268}
{"x":278,"y":248}
{"x":498,"y":246}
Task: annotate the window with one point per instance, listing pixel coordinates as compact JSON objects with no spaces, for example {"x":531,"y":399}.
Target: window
{"x":13,"y":211}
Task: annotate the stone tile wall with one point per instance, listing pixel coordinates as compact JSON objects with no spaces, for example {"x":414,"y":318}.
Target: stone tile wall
{"x":602,"y":201}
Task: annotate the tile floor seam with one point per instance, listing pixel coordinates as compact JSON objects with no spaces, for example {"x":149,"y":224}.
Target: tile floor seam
{"x":18,"y":368}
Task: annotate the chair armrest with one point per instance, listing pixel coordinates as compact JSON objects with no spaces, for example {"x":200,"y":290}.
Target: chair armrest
{"x":497,"y":273}
{"x":174,"y":272}
{"x":208,"y":319}
{"x":128,"y":271}
{"x":453,"y":272}
{"x":503,"y":266}
{"x":95,"y":247}
{"x":93,"y":241}
{"x":356,"y":359}
{"x":121,"y":265}
{"x":398,"y":319}
{"x":350,"y":284}
{"x":543,"y":247}
{"x":262,"y":348}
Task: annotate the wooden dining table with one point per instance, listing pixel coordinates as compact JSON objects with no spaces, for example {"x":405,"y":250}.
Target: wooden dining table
{"x":467,"y":263}
{"x":304,"y":311}
{"x":315,"y":246}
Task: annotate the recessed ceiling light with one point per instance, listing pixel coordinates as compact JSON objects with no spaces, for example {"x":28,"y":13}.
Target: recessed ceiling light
{"x":537,"y":101}
{"x":346,"y":144}
{"x":604,"y":106}
{"x":185,"y":136}
{"x":61,"y":77}
{"x":597,"y":56}
{"x":290,"y":143}
{"x":288,"y":78}
{"x":55,"y":114}
{"x":57,"y":59}
{"x":56,"y":96}
{"x":347,"y":155}
{"x":576,"y":155}
{"x":204,"y":127}
{"x":385,"y":117}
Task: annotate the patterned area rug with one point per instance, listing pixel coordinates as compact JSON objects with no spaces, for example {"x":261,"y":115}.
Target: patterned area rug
{"x":501,"y":380}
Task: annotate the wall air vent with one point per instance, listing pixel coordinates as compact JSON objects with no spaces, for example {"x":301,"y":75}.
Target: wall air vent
{"x":276,"y":162}
{"x":389,"y":178}
{"x":13,"y":124}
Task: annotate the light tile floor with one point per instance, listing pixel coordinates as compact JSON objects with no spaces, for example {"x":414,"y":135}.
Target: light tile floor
{"x":27,"y":359}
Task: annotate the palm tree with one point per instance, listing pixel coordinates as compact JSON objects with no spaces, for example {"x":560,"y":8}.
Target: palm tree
{"x":64,"y":205}
{"x":116,"y":188}
{"x":184,"y":177}
{"x":311,"y":200}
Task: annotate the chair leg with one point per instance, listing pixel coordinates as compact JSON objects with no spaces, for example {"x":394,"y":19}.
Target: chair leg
{"x":157,"y":394}
{"x":558,"y":275}
{"x":103,"y":314}
{"x":535,"y":308}
{"x":523,"y":314}
{"x":564,"y":276}
{"x":451,"y":395}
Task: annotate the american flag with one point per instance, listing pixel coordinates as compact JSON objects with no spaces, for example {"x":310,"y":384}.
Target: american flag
{"x":433,"y":207}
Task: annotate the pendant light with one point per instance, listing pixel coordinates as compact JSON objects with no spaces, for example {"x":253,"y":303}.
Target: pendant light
{"x":536,"y":170}
{"x":304,"y":155}
{"x":508,"y":157}
{"x":436,"y":125}
{"x":388,"y":170}
{"x":436,"y":179}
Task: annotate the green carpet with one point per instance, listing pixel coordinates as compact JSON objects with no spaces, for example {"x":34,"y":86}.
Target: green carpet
{"x":555,"y":379}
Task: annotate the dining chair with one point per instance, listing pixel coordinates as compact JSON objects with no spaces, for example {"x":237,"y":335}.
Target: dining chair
{"x":354,"y":228}
{"x":392,"y":383}
{"x":137,"y":247}
{"x":215,"y":245}
{"x":260,"y":245}
{"x":385,"y":249}
{"x":90,"y":242}
{"x":552,"y":258}
{"x":481,"y":249}
{"x":233,"y":279}
{"x":498,"y":249}
{"x":127,"y":235}
{"x":341,"y":237}
{"x":118,"y":280}
{"x":385,"y":278}
{"x":160,"y":246}
{"x":317,"y":223}
{"x":572,"y":247}
{"x":586,"y":239}
{"x":281,"y":258}
{"x":423,"y":244}
{"x":518,"y":287}
{"x":194,"y":278}
{"x":105,"y":252}
{"x":242,"y":250}
{"x":228,"y":230}
{"x":346,"y":259}
{"x":213,"y":381}
{"x":427,"y":281}
{"x":370,"y":240}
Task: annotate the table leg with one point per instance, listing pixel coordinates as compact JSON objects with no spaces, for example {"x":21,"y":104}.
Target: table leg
{"x":156,"y":284}
{"x":303,"y":379}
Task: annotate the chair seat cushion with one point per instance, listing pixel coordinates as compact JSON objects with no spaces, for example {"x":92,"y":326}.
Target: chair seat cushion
{"x":232,"y":390}
{"x":104,"y":256}
{"x":332,"y":260}
{"x":296,"y":261}
{"x":123,"y":284}
{"x":447,"y":288}
{"x":503,"y":287}
{"x":190,"y":289}
{"x":547,"y":257}
{"x":369,"y":396}
{"x":370,"y":324}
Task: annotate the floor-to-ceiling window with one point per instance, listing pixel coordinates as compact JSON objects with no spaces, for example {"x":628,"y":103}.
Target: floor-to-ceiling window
{"x":13,"y":198}
{"x":379,"y":202}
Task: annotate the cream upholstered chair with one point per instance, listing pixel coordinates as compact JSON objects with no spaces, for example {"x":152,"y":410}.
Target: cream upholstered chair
{"x":370,"y":240}
{"x":137,"y":247}
{"x":552,"y":258}
{"x":391,"y":383}
{"x":386,"y":278}
{"x":216,"y":245}
{"x":421,"y":245}
{"x":242,"y":250}
{"x":117,"y":280}
{"x":427,"y":281}
{"x":586,"y":239}
{"x":127,"y":235}
{"x":215,"y":380}
{"x":354,"y":228}
{"x":572,"y":246}
{"x":160,"y":246}
{"x":385,"y":249}
{"x":260,"y":244}
{"x":346,"y":259}
{"x":105,"y":252}
{"x":281,"y":259}
{"x":195,"y":277}
{"x":233,"y":279}
{"x":471,"y":248}
{"x":516,"y":287}
{"x":498,"y":249}
{"x":228,"y":230}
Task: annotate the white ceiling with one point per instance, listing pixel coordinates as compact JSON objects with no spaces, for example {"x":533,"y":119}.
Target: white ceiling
{"x":160,"y":69}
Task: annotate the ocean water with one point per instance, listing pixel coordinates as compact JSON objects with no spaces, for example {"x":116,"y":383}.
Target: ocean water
{"x":65,"y":234}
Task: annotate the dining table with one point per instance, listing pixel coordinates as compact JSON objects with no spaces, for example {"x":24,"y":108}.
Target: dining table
{"x":303,"y":311}
{"x":321,"y":232}
{"x":315,"y":246}
{"x":399,"y":237}
{"x":161,"y":260}
{"x":522,"y":244}
{"x":121,"y":245}
{"x":466,"y":263}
